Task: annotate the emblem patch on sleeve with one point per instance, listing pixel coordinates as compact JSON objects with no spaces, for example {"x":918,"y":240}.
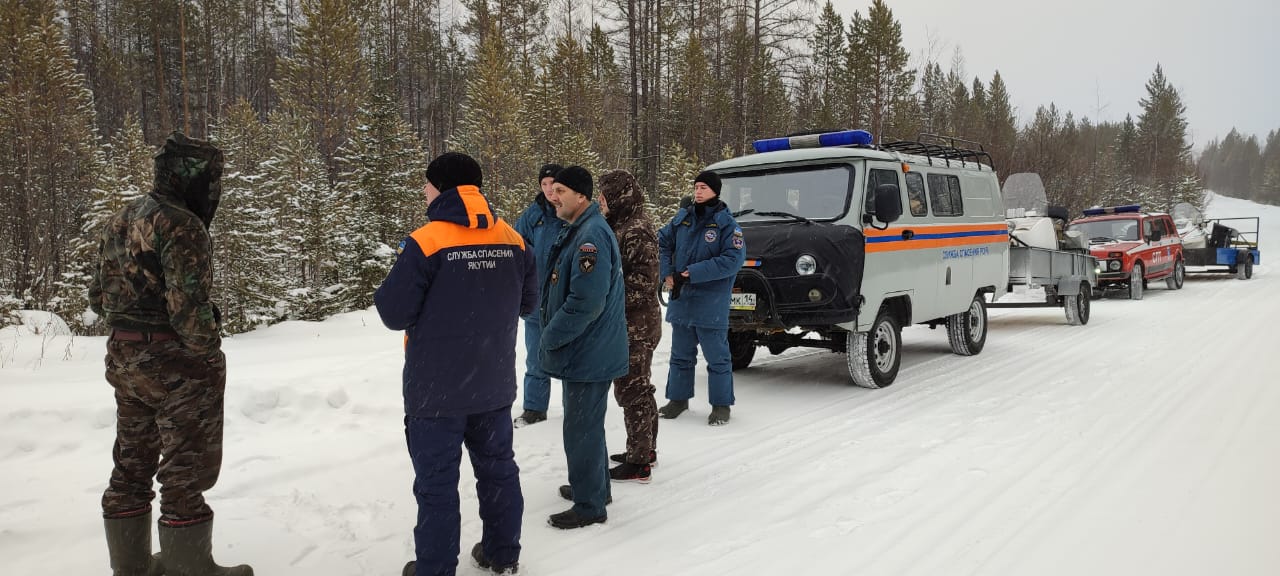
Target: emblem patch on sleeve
{"x":587,"y":263}
{"x":710,"y":236}
{"x":400,"y":248}
{"x":588,"y":247}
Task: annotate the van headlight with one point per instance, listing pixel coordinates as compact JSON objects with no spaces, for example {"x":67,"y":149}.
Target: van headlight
{"x":1114,"y":265}
{"x":806,"y":265}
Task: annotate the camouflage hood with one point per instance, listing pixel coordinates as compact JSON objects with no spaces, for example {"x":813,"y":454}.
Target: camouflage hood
{"x":624,"y":195}
{"x":189,"y":172}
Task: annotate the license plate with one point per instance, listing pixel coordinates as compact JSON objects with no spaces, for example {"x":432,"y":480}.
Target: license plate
{"x":742,"y":301}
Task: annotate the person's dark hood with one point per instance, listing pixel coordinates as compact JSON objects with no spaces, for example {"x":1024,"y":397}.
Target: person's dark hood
{"x":464,"y":205}
{"x":190,"y":171}
{"x":623,"y":194}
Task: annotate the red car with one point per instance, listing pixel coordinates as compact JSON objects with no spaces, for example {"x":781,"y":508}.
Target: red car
{"x":1133,"y":248}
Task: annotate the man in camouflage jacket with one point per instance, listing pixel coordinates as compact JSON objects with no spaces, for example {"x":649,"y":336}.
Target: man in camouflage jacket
{"x":622,"y":201}
{"x":165,"y":361}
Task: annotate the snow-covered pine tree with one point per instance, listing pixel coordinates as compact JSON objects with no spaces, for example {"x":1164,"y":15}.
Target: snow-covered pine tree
{"x":544,"y":112}
{"x":679,"y":168}
{"x":560,"y":101}
{"x":308,"y":216}
{"x":1164,"y":153}
{"x":128,"y":171}
{"x":47,"y":117}
{"x":882,"y":67}
{"x":491,"y":130}
{"x":1001,"y":134}
{"x":249,"y":250}
{"x":382,"y":176}
{"x":325,"y":79}
{"x":607,"y":97}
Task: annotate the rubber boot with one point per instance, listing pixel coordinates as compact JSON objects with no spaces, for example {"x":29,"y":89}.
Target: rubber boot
{"x":129,"y":546}
{"x":188,"y":551}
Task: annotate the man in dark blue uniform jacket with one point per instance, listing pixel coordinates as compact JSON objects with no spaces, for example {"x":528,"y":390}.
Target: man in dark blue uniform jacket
{"x":457,"y":289}
{"x":540,"y":227}
{"x":584,"y":339}
{"x":704,"y":247}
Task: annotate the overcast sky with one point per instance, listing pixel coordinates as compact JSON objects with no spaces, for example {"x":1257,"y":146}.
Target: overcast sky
{"x":1223,"y":56}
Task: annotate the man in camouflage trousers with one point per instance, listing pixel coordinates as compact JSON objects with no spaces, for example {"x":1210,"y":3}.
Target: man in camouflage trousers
{"x":165,"y":361}
{"x":622,"y":201}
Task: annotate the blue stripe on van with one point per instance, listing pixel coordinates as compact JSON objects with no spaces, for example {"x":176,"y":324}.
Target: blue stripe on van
{"x":878,"y":239}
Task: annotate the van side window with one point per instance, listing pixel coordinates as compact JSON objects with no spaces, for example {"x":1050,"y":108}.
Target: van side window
{"x":944,"y":195}
{"x":915,"y":194}
{"x":1146,"y":229}
{"x":874,"y":179}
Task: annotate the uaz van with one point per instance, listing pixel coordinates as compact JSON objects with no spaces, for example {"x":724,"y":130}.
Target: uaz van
{"x":848,"y":242}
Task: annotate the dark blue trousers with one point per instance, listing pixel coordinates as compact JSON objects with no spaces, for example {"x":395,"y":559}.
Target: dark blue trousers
{"x":685,"y":341}
{"x":537,"y":385}
{"x":435,"y":446}
{"x":584,"y":407}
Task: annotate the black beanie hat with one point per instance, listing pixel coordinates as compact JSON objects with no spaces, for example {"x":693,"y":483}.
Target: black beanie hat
{"x":711,"y":179}
{"x":576,"y":178}
{"x":549,"y":171}
{"x":453,"y":169}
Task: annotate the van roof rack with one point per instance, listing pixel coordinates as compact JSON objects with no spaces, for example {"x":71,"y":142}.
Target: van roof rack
{"x":944,"y":148}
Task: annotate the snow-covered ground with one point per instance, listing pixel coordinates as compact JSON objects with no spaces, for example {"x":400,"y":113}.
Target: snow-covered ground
{"x":1143,"y":443}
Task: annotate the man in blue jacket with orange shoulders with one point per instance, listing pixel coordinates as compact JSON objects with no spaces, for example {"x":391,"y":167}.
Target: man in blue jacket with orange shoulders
{"x":584,"y":339}
{"x":457,"y":289}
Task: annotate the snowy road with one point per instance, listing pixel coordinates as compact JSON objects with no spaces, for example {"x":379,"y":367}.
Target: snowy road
{"x":1143,"y":443}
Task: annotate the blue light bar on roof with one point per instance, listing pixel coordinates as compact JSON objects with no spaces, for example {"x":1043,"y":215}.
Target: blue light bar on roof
{"x":842,"y":138}
{"x":1131,"y":208}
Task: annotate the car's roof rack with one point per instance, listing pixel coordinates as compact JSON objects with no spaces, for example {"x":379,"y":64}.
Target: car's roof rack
{"x":944,"y":148}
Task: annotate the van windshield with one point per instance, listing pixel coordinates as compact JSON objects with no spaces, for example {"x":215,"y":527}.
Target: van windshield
{"x":1100,"y":231}
{"x":807,"y":192}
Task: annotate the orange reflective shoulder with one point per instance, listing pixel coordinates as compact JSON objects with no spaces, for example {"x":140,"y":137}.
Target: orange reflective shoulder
{"x":437,"y":236}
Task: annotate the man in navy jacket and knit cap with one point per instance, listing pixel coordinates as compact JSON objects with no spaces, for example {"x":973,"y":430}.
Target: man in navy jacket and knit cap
{"x":457,"y":289}
{"x":584,"y":339}
{"x":540,"y":227}
{"x":703,"y":245}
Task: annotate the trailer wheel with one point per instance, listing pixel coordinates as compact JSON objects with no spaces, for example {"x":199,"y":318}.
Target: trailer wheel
{"x":967,"y":331}
{"x":1077,"y":307}
{"x":1245,"y":271}
{"x":1175,"y":280}
{"x":874,"y":357}
{"x":742,"y":348}
{"x":1136,"y":282}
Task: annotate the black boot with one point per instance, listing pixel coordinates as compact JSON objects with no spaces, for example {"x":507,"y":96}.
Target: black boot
{"x":628,"y":472}
{"x":188,"y":551}
{"x":620,"y":458}
{"x":529,"y":417}
{"x":719,"y":416}
{"x":673,"y":409}
{"x":129,"y":546}
{"x":566,"y":492}
{"x":477,"y":556}
{"x":568,"y":520}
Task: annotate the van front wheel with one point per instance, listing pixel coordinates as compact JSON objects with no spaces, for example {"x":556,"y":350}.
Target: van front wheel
{"x":742,"y":348}
{"x":874,"y":356}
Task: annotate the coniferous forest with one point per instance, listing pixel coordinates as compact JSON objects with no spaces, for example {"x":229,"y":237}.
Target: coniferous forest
{"x":328,"y":110}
